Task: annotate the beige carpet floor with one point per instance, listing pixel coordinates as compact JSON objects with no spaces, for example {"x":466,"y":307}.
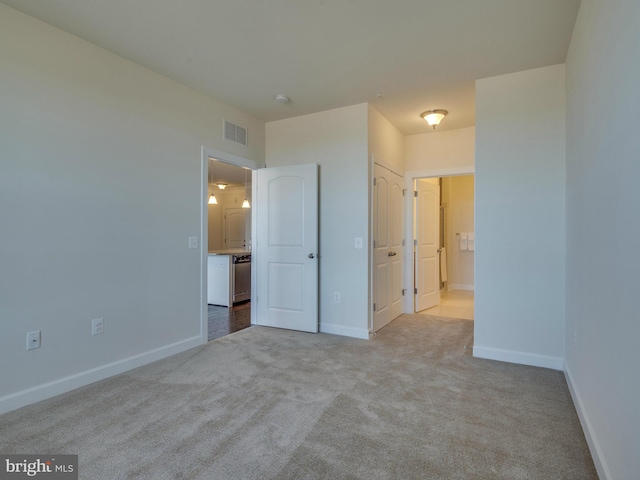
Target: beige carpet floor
{"x":272,"y":404}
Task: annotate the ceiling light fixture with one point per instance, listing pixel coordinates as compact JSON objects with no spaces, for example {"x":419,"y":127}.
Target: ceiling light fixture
{"x":434,"y":117}
{"x":221,"y":186}
{"x":282,"y":98}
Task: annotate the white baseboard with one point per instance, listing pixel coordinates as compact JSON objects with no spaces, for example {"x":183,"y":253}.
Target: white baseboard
{"x":334,"y":329}
{"x":522,"y":358}
{"x":460,"y":286}
{"x":594,"y":446}
{"x":56,"y":387}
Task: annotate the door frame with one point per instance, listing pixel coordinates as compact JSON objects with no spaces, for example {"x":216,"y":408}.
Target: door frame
{"x":230,"y":158}
{"x":409,"y":178}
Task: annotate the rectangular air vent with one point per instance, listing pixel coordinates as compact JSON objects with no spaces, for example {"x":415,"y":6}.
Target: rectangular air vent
{"x":235,"y":133}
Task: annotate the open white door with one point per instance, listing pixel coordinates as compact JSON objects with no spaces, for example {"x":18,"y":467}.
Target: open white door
{"x":286,"y":247}
{"x":427,"y":260}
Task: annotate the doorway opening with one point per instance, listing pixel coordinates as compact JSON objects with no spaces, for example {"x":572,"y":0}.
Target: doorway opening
{"x":229,"y":249}
{"x":444,"y":245}
{"x":227,"y":222}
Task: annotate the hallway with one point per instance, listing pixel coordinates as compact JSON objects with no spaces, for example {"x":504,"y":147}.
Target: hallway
{"x":453,"y":304}
{"x":224,"y":320}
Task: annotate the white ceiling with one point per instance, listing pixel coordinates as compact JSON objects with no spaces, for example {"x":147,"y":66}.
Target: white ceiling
{"x":417,"y":54}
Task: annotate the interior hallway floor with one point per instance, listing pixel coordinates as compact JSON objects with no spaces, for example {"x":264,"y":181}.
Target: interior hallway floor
{"x":223,"y":320}
{"x":453,"y":304}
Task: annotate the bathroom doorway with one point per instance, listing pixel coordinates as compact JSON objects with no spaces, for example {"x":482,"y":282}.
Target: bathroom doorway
{"x":444,"y":246}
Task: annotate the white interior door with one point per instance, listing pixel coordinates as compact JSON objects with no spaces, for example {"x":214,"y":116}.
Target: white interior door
{"x":396,"y":215}
{"x":427,"y":260}
{"x":234,"y":228}
{"x":286,"y":247}
{"x":387,"y":246}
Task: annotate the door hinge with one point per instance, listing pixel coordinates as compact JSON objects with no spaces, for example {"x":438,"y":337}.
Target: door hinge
{"x":415,"y":291}
{"x":404,"y":242}
{"x":404,"y":192}
{"x":374,"y":181}
{"x":404,"y":291}
{"x":415,"y":193}
{"x":374,"y":307}
{"x":374,"y":244}
{"x":415,"y":242}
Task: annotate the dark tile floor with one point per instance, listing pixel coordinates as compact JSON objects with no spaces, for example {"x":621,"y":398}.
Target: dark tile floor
{"x":223,"y":320}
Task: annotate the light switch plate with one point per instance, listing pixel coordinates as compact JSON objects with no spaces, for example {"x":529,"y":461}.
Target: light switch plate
{"x":193,"y":242}
{"x":33,"y":340}
{"x":358,"y":242}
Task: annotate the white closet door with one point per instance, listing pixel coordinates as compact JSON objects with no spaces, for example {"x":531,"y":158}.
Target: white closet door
{"x":387,"y":246}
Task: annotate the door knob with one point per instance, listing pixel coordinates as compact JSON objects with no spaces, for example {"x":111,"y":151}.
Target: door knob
{"x":311,"y":255}
{"x":391,"y":254}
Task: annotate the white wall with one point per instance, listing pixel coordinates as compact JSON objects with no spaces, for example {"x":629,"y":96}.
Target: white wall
{"x":603,"y":228}
{"x":337,"y":141}
{"x":385,"y":141}
{"x":100,"y":188}
{"x":520,"y":217}
{"x":449,"y":149}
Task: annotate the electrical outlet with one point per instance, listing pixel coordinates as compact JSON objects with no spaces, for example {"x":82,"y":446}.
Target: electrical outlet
{"x":33,"y":340}
{"x":336,"y":297}
{"x":193,"y":242}
{"x":97,"y":326}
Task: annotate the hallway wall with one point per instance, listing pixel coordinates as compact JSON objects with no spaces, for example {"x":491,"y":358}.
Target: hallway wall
{"x":603,"y":229}
{"x":449,"y":149}
{"x":520,"y":217}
